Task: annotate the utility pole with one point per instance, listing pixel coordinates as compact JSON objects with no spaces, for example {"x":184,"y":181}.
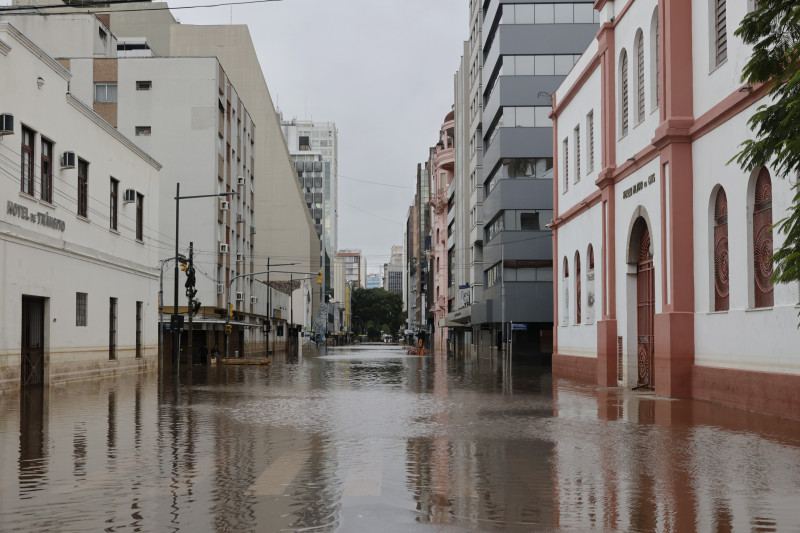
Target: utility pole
{"x":190,"y":292}
{"x":174,"y":327}
{"x":269,"y":309}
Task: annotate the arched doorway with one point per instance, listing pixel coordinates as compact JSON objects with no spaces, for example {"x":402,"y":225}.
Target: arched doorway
{"x":645,"y":308}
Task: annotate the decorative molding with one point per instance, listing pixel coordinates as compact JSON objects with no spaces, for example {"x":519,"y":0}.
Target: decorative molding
{"x":5,"y":48}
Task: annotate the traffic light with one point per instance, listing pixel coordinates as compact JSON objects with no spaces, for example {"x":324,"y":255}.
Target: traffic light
{"x":230,"y":309}
{"x":228,"y":329}
{"x":190,"y":282}
{"x":319,"y":277}
{"x":183,"y":266}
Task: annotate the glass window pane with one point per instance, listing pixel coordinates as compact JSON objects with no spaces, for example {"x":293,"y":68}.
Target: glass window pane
{"x":508,"y":66}
{"x":545,"y":66}
{"x":544,"y":273}
{"x":509,"y":117}
{"x":584,"y":13}
{"x":542,"y":117}
{"x":508,"y":14}
{"x":112,"y":93}
{"x":525,"y":117}
{"x":99,"y":93}
{"x":524,"y":14}
{"x":544,"y":13}
{"x":563,"y":13}
{"x":563,"y":64}
{"x":524,"y":65}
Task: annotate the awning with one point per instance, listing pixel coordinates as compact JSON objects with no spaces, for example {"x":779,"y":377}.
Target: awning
{"x":460,"y":318}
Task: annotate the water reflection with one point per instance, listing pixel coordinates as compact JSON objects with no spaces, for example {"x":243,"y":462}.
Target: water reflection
{"x":371,"y":439}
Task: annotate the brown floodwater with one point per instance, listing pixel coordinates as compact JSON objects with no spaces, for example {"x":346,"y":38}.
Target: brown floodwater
{"x":370,"y":439}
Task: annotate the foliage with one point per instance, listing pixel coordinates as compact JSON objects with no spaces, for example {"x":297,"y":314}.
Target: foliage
{"x":773,"y":29}
{"x":376,"y":309}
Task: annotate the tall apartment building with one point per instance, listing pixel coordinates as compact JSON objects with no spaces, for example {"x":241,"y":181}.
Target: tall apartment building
{"x":527,"y":49}
{"x":393,"y":271}
{"x":79,"y":230}
{"x":417,"y":247}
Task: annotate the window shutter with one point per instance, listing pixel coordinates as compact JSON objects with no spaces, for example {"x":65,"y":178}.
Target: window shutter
{"x":721,"y":37}
{"x":624,"y":93}
{"x":640,"y":77}
{"x":577,"y":154}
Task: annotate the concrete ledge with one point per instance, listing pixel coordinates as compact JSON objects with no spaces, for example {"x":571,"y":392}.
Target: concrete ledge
{"x":765,"y":392}
{"x":571,"y":366}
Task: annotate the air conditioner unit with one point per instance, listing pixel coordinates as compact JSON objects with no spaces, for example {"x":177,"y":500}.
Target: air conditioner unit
{"x":224,"y":205}
{"x":240,"y":218}
{"x":220,"y":288}
{"x":129,"y":196}
{"x":239,"y":257}
{"x":254,"y":299}
{"x":239,"y":296}
{"x":252,"y":230}
{"x":68,"y":160}
{"x":6,"y":124}
{"x":241,"y":180}
{"x":224,"y":248}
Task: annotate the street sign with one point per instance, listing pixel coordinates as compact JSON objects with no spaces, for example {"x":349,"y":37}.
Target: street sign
{"x":519,"y":327}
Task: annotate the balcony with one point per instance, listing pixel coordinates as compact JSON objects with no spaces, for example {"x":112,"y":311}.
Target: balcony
{"x":438,"y":202}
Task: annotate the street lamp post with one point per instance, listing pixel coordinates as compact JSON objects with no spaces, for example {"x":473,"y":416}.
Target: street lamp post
{"x":176,"y":336}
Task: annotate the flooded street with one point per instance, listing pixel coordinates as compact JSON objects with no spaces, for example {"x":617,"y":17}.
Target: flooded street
{"x":370,"y":439}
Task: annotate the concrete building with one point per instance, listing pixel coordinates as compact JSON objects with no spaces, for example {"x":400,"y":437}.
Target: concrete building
{"x":442,"y":226}
{"x":355,"y":268}
{"x":663,"y":248}
{"x":393,"y":271}
{"x":374,"y":281}
{"x":528,"y":48}
{"x":79,"y":232}
{"x":418,"y":245}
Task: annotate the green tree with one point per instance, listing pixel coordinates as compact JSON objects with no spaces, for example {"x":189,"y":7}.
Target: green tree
{"x":773,"y":29}
{"x":377,"y":308}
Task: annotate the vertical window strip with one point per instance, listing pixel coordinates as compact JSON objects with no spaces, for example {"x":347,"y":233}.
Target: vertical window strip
{"x":27,"y":161}
{"x":590,"y":142}
{"x":47,"y":171}
{"x":139,"y":217}
{"x":112,"y":203}
{"x":658,"y":65}
{"x":577,"y":154}
{"x":640,"y":77}
{"x":624,"y":93}
{"x":83,"y":188}
{"x":565,"y":144}
{"x":720,"y":26}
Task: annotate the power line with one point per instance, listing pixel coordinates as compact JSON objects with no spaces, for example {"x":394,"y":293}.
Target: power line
{"x":26,"y":10}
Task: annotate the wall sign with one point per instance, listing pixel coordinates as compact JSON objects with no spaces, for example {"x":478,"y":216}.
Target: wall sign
{"x":633,"y":189}
{"x":42,"y":219}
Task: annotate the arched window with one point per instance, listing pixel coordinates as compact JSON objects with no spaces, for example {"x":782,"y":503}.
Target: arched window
{"x":577,"y":288}
{"x":762,"y":241}
{"x":721,"y":277}
{"x":623,"y":84}
{"x":590,"y":257}
{"x":655,"y":61}
{"x":639,"y":76}
{"x":565,"y":288}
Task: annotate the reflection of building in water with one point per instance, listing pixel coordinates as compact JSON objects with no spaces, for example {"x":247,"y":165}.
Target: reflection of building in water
{"x":662,"y":273}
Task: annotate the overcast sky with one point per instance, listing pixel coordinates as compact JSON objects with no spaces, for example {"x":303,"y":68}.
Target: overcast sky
{"x":382,"y":70}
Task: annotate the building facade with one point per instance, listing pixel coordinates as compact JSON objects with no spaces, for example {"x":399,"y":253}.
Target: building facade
{"x":393,"y":271}
{"x":79,"y":232}
{"x":662,"y":248}
{"x":528,"y":48}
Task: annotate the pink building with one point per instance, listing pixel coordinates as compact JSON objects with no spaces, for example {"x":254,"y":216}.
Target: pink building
{"x":441,"y":176}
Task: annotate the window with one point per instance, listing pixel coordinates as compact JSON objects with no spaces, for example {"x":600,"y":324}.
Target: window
{"x":721,"y":278}
{"x":83,"y":188}
{"x":80,"y":309}
{"x":144,"y":85}
{"x":142,"y":131}
{"x":495,"y":227}
{"x":529,"y":222}
{"x":719,"y":34}
{"x":494,"y":275}
{"x":138,"y":330}
{"x":112,"y":329}
{"x":624,"y":91}
{"x":762,"y":241}
{"x":565,"y":150}
{"x":139,"y":217}
{"x":577,"y":134}
{"x":590,"y":142}
{"x":639,"y":76}
{"x":27,"y":160}
{"x":655,"y":61}
{"x":113,"y":198}
{"x":590,"y":255}
{"x":46,"y":191}
{"x":577,"y":288}
{"x":105,"y":92}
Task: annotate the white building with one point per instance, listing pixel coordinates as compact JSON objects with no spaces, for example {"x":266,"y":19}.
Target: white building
{"x":661,"y":247}
{"x":79,"y":243}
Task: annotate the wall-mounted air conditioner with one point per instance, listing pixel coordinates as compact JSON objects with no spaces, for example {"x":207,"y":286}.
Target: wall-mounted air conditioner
{"x":239,"y":218}
{"x":6,"y":124}
{"x":224,"y":248}
{"x":224,"y":205}
{"x":252,"y":230}
{"x":254,"y":299}
{"x":68,"y":160}
{"x":239,"y":296}
{"x":220,"y":288}
{"x":239,"y":257}
{"x":129,"y":196}
{"x":241,"y":180}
